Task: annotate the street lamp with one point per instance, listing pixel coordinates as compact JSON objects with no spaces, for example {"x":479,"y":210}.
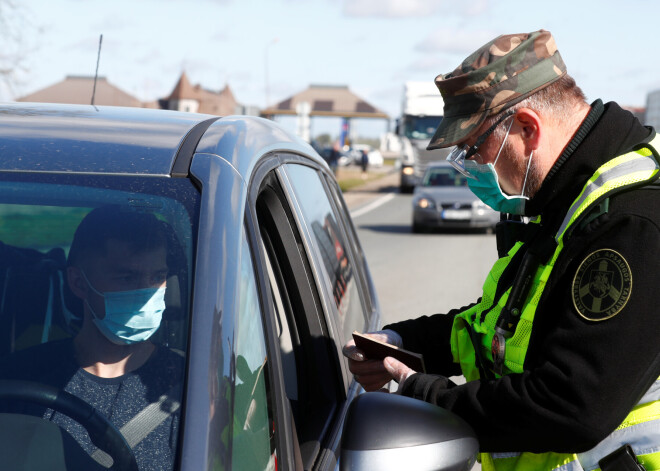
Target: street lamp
{"x":272,"y":41}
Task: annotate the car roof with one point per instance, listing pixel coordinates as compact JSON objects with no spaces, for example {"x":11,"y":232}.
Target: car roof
{"x":37,"y":137}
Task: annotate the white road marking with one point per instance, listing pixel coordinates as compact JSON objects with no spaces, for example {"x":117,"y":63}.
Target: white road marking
{"x":373,"y":205}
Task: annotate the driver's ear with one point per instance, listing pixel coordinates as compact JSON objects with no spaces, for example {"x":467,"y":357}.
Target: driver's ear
{"x":77,"y":282}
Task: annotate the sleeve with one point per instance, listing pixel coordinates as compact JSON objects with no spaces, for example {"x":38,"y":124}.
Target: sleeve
{"x":582,"y":377}
{"x":429,"y":335}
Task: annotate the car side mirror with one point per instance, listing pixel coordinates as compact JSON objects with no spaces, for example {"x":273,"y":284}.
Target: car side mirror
{"x":390,"y":432}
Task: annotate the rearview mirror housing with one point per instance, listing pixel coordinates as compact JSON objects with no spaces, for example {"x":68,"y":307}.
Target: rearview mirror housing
{"x":390,"y":432}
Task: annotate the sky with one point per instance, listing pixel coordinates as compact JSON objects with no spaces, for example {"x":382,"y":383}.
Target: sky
{"x":269,"y":50}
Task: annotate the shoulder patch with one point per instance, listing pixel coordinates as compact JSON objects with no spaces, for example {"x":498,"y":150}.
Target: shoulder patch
{"x":602,"y":285}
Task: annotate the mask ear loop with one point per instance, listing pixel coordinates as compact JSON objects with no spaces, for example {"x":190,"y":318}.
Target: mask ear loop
{"x":502,"y":146}
{"x":529,"y":164}
{"x":90,"y":284}
{"x":95,"y":291}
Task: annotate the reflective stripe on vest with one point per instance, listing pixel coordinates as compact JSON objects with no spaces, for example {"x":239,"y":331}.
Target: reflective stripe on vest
{"x":634,"y":168}
{"x":623,"y":171}
{"x":641,"y":429}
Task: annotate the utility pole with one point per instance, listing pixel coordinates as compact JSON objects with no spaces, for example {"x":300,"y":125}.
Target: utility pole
{"x":272,"y":41}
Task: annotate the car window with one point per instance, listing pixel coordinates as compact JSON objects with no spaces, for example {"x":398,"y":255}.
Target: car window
{"x":443,"y":176}
{"x":59,"y":238}
{"x":330,"y":242}
{"x":253,"y":443}
{"x":313,"y":381}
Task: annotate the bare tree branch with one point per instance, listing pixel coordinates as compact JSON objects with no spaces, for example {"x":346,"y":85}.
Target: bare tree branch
{"x":15,"y":48}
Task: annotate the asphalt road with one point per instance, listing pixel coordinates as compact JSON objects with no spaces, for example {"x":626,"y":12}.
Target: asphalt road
{"x":416,"y":274}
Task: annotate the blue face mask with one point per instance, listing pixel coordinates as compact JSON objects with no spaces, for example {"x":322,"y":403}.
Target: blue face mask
{"x":486,"y":185}
{"x":130,"y":316}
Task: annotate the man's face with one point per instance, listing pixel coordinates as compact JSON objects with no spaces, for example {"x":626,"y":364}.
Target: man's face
{"x":511,"y":165}
{"x":121,"y":268}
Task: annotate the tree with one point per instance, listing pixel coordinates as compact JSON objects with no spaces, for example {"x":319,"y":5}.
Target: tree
{"x":374,"y":142}
{"x":14,"y":48}
{"x":323,"y":139}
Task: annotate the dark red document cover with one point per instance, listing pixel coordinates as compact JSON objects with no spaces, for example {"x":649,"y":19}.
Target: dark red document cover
{"x":376,"y":350}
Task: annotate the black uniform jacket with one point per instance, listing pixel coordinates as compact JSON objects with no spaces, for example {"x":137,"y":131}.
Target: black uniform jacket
{"x":581,"y":377}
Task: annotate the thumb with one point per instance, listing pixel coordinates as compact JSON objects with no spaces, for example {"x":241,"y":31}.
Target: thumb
{"x":399,"y":371}
{"x":352,"y":352}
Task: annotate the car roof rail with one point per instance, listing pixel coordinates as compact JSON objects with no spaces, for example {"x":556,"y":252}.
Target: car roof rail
{"x":183,"y":158}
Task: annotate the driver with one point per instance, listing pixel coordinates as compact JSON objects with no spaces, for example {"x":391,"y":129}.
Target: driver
{"x":117,"y":269}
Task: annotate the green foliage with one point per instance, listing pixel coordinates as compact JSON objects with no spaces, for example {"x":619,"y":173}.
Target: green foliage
{"x":374,"y":142}
{"x":347,"y":184}
{"x":324,"y":140}
{"x":39,"y":227}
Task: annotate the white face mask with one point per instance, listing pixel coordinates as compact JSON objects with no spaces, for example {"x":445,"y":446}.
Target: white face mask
{"x":130,"y":316}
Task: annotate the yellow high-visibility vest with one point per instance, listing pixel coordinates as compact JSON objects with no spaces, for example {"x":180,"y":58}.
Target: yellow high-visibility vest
{"x":641,"y":428}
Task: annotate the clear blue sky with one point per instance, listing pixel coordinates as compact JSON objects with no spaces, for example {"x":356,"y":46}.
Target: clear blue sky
{"x":373,"y":46}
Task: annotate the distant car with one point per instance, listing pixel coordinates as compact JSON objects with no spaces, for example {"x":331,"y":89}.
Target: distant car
{"x":444,"y":200}
{"x":266,"y":281}
{"x":349,"y":157}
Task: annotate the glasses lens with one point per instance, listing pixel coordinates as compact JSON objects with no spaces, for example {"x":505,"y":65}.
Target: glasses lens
{"x":460,"y":154}
{"x":457,"y":160}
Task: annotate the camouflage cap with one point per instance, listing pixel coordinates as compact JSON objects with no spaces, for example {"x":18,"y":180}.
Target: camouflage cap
{"x":496,"y":76}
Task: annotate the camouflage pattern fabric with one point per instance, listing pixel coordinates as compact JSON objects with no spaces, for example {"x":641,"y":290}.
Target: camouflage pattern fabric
{"x":496,"y":76}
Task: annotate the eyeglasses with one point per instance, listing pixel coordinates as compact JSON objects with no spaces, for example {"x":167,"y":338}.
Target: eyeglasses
{"x":460,"y":154}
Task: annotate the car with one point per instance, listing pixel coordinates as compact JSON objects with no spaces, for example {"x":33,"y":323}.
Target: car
{"x":353,"y":156}
{"x":444,"y":200}
{"x":265,"y":282}
{"x":349,"y":156}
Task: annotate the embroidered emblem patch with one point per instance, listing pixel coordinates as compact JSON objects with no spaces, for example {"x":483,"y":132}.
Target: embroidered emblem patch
{"x":602,"y":285}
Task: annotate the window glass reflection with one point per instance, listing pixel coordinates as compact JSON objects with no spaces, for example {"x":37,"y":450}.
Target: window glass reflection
{"x":253,"y":434}
{"x":331,"y":245}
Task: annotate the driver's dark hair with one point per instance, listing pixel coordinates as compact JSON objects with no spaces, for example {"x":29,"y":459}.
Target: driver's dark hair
{"x":142,"y":231}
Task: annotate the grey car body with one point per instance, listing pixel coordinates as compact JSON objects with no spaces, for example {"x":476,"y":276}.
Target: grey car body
{"x":270,"y":279}
{"x":444,"y":200}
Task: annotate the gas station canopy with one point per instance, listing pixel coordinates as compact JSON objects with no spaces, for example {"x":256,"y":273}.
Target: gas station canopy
{"x":326,"y":100}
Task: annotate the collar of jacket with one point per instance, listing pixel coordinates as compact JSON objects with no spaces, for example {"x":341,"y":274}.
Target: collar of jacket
{"x":607,"y":131}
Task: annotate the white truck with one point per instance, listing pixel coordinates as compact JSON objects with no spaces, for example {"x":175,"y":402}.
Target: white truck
{"x":421,"y":113}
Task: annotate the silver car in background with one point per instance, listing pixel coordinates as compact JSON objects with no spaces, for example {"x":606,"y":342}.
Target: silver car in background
{"x":444,"y":200}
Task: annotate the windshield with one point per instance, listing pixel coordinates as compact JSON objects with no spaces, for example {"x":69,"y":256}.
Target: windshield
{"x":94,"y":296}
{"x":420,"y":127}
{"x":443,"y":176}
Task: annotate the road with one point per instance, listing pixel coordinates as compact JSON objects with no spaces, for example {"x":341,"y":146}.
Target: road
{"x":417,"y":274}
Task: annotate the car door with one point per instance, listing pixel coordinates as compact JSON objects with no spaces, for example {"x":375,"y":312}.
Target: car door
{"x":315,"y":290}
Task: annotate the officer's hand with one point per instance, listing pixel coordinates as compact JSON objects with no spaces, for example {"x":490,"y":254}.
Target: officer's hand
{"x":399,"y":371}
{"x":371,"y":374}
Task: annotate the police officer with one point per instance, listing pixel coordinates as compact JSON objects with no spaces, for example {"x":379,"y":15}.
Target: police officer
{"x":562,"y":352}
